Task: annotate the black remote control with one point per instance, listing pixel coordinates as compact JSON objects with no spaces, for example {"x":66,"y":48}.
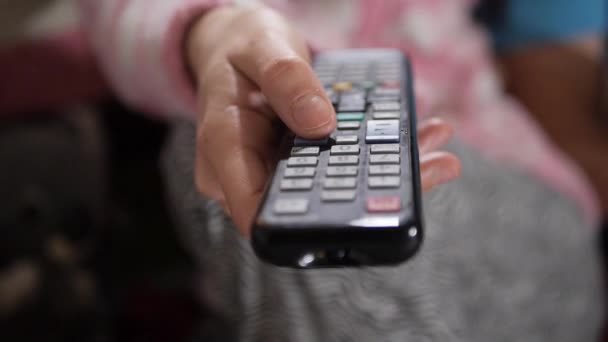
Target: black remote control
{"x":354,"y":198}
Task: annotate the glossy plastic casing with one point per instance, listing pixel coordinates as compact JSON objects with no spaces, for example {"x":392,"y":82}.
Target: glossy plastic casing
{"x":370,"y":241}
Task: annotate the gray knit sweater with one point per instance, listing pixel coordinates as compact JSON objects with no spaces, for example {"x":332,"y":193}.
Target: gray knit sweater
{"x":505,"y":259}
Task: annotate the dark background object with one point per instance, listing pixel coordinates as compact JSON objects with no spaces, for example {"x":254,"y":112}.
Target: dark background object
{"x":83,"y":214}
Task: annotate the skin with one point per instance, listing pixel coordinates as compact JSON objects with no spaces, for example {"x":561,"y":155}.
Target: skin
{"x":253,"y":69}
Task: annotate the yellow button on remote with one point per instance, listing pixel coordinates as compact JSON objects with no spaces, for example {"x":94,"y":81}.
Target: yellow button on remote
{"x":343,"y":86}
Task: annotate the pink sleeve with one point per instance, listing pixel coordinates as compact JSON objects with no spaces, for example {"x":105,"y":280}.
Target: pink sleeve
{"x":140,"y":46}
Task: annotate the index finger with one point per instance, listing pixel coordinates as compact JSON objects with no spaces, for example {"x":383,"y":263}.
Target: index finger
{"x":289,"y":84}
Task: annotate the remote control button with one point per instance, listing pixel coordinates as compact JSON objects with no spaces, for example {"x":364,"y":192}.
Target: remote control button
{"x":356,"y":65}
{"x":386,"y":106}
{"x":343,"y":160}
{"x":355,"y":70}
{"x":324,"y":71}
{"x":385,"y":148}
{"x":326,"y":65}
{"x":384,"y":159}
{"x":296,"y":184}
{"x":350,"y":116}
{"x":382,"y":131}
{"x":340,"y":183}
{"x":298,"y":141}
{"x":386,"y":92}
{"x":385,"y":204}
{"x":355,"y":78}
{"x":355,"y":95}
{"x":351,"y":106}
{"x":386,"y":115}
{"x":291,"y":206}
{"x":394,"y":68}
{"x":327,"y":79}
{"x":347,"y":139}
{"x":302,"y":161}
{"x":384,"y":170}
{"x":305,"y":151}
{"x":368,"y":85}
{"x":299,"y":172}
{"x":391,"y":84}
{"x":348,"y":125}
{"x":338,"y":196}
{"x":383,"y":182}
{"x":388,"y":76}
{"x":380,"y":99}
{"x":342,"y":171}
{"x":343,"y":86}
{"x":344,"y":149}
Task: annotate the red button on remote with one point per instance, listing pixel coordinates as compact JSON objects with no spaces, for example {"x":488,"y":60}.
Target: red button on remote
{"x":391,"y":84}
{"x":385,"y":204}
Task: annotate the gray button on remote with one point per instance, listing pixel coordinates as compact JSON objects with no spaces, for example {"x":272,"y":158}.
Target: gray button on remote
{"x":302,"y":161}
{"x":384,"y":159}
{"x":386,"y":115}
{"x":338,"y":195}
{"x":343,"y":160}
{"x":344,"y":149}
{"x":305,"y":151}
{"x":349,"y":125}
{"x":382,"y":131}
{"x":341,"y":171}
{"x":299,"y":172}
{"x":296,"y":184}
{"x":386,"y":92}
{"x":347,"y":139}
{"x":291,"y":206}
{"x":384,"y":182}
{"x":385,"y":148}
{"x":386,"y":106}
{"x":354,"y":106}
{"x":340,"y":183}
{"x":384,"y":170}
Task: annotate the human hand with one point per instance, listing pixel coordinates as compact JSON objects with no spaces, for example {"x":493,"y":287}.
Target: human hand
{"x":252,"y":68}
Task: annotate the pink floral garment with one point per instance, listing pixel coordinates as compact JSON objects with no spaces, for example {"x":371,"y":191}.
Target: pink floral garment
{"x":455,"y":77}
{"x":139,"y":44}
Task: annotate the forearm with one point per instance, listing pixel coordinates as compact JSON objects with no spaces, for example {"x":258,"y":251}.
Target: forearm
{"x":139,"y":44}
{"x":560,"y":85}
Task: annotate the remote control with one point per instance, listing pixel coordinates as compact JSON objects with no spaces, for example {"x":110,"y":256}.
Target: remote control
{"x":352,"y":199}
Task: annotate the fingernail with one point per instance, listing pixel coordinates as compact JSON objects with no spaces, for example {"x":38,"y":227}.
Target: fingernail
{"x":311,"y":111}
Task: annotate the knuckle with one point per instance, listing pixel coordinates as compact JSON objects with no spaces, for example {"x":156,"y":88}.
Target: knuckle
{"x":280,"y":68}
{"x":262,"y":14}
{"x":202,"y":136}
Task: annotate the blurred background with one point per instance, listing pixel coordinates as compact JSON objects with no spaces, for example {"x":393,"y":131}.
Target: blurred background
{"x":88,"y":249}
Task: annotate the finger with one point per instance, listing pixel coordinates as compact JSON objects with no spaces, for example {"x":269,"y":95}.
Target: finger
{"x":283,"y":73}
{"x":239,"y":156}
{"x":238,"y":142}
{"x":437,"y":168}
{"x":220,"y":86}
{"x":206,"y":180}
{"x":433,"y":134}
{"x":224,"y":88}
